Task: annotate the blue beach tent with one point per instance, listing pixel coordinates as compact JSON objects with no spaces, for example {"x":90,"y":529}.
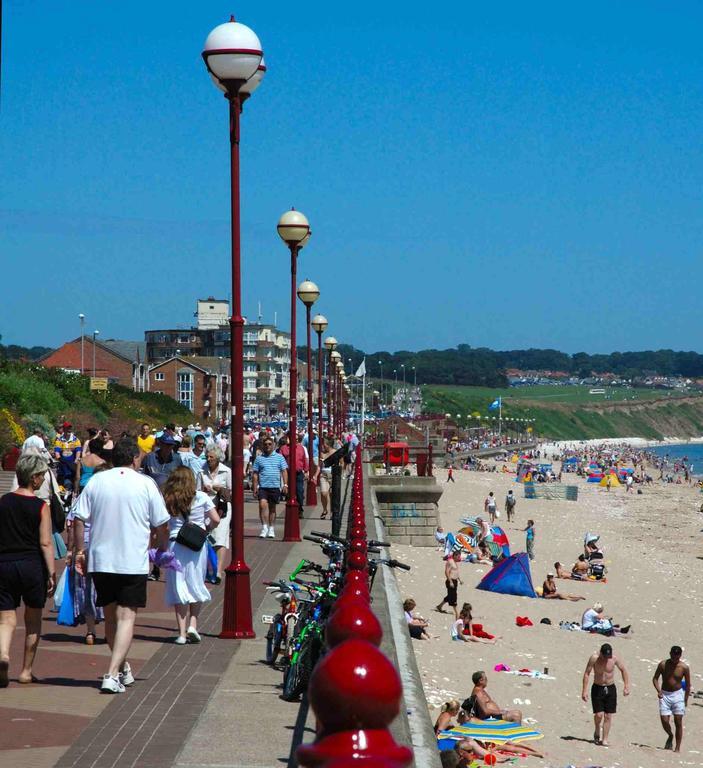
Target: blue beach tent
{"x":510,"y":577}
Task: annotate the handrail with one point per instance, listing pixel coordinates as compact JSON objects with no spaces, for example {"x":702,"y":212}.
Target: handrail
{"x":355,"y":691}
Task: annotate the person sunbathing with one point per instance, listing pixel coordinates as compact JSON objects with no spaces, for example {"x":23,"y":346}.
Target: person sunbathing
{"x":483,"y":706}
{"x":550,"y":592}
{"x":579,"y":569}
{"x":595,"y":620}
{"x":463,"y":629}
{"x":417,"y":626}
{"x":449,"y":710}
{"x":560,"y":572}
{"x":470,"y":750}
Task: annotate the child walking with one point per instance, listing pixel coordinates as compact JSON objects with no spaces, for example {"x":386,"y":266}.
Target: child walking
{"x":530,"y":539}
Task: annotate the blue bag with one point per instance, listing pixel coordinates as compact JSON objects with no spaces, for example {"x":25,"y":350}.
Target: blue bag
{"x":59,"y":546}
{"x":60,"y":587}
{"x":211,"y":563}
{"x":67,"y":617}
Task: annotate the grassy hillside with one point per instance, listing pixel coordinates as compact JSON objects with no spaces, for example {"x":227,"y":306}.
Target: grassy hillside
{"x":572,"y":413}
{"x":32,"y":395}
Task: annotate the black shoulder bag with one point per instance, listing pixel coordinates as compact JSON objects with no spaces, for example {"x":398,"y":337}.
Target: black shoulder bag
{"x":58,"y":512}
{"x":192,"y":536}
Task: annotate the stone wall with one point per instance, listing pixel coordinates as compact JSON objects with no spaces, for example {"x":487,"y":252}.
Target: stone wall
{"x":408,"y":508}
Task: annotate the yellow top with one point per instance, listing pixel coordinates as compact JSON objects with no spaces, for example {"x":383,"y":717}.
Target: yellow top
{"x":146,"y":444}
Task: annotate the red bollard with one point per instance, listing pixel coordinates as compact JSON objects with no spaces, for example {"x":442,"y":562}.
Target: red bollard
{"x":357,"y":562}
{"x":355,"y":692}
{"x":358,"y":545}
{"x":357,"y":578}
{"x":355,"y":620}
{"x":344,"y":601}
{"x":352,"y":762}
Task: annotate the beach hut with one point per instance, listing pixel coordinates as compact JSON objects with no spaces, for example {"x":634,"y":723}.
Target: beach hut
{"x":510,"y":577}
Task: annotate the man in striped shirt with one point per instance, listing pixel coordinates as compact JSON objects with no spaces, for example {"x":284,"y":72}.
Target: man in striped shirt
{"x":269,"y":477}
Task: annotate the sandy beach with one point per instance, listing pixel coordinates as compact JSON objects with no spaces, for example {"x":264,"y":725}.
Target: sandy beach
{"x":653,"y":551}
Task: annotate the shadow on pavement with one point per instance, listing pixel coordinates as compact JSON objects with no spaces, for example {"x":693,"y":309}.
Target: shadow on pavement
{"x":299,"y":731}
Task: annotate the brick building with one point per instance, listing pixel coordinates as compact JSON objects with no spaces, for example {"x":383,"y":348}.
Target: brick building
{"x":117,"y":361}
{"x":200,"y":384}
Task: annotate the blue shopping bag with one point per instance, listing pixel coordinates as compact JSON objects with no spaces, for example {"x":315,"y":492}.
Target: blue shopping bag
{"x":60,"y":587}
{"x":59,"y":546}
{"x":67,"y":617}
{"x":211,"y":563}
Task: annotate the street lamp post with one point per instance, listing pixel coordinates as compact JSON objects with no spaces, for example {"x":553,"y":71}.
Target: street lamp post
{"x":335,"y":357}
{"x":309,"y":293}
{"x":294,"y":229}
{"x":405,"y":391}
{"x":319,"y":323}
{"x":330,"y":345}
{"x":380,"y":363}
{"x":340,"y":395}
{"x":81,"y":317}
{"x":95,"y":334}
{"x":234,"y":60}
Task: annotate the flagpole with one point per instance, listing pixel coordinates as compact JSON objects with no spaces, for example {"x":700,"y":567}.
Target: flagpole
{"x":500,"y":416}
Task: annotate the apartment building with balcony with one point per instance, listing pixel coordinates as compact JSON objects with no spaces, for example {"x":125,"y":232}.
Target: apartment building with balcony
{"x":266,"y":354}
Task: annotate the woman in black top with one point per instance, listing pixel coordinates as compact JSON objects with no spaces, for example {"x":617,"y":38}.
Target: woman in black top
{"x":26,"y":563}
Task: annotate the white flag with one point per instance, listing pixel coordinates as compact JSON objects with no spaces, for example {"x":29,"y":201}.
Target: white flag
{"x":361,"y":371}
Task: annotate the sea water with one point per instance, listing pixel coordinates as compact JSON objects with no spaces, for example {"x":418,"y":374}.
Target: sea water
{"x":693,"y":452}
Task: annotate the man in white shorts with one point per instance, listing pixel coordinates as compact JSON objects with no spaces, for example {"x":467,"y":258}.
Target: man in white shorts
{"x":672,"y":697}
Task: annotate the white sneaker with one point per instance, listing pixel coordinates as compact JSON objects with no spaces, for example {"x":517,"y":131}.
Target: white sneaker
{"x":126,"y":676}
{"x":180,"y":640}
{"x":264,"y":531}
{"x":111,"y":685}
{"x":192,"y":635}
{"x":271,"y":533}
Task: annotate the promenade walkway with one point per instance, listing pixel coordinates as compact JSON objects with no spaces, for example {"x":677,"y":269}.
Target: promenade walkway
{"x":213,"y":704}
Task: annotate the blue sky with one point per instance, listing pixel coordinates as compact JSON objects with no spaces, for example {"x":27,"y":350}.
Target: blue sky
{"x":503,"y":175}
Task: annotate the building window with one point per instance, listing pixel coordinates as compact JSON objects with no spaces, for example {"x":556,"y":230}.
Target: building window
{"x":185,"y":390}
{"x":158,"y":377}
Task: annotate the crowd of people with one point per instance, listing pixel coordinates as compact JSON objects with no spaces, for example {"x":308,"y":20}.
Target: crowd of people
{"x":121,"y":511}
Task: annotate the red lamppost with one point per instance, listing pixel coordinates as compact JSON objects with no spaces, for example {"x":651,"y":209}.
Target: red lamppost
{"x":309,"y":293}
{"x":234,"y":59}
{"x":335,"y":357}
{"x":340,"y":396}
{"x":319,"y":323}
{"x":330,"y":344}
{"x":294,"y":230}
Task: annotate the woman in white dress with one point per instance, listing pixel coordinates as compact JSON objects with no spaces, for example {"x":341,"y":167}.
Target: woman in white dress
{"x":217,"y":483}
{"x":185,"y":589}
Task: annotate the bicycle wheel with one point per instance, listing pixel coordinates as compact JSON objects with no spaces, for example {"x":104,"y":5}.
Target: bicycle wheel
{"x":292,"y":682}
{"x":273,"y":640}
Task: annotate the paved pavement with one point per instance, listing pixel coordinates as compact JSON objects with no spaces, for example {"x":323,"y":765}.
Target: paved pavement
{"x":187,"y":707}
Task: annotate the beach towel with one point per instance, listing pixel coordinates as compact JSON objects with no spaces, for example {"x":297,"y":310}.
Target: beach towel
{"x":493,"y":731}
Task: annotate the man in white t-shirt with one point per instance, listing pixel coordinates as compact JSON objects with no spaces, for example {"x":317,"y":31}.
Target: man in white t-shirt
{"x":35,"y":444}
{"x":122,"y":507}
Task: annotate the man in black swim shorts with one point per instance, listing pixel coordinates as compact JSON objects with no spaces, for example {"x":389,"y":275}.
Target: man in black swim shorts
{"x":451,"y":582}
{"x":604,"y":695}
